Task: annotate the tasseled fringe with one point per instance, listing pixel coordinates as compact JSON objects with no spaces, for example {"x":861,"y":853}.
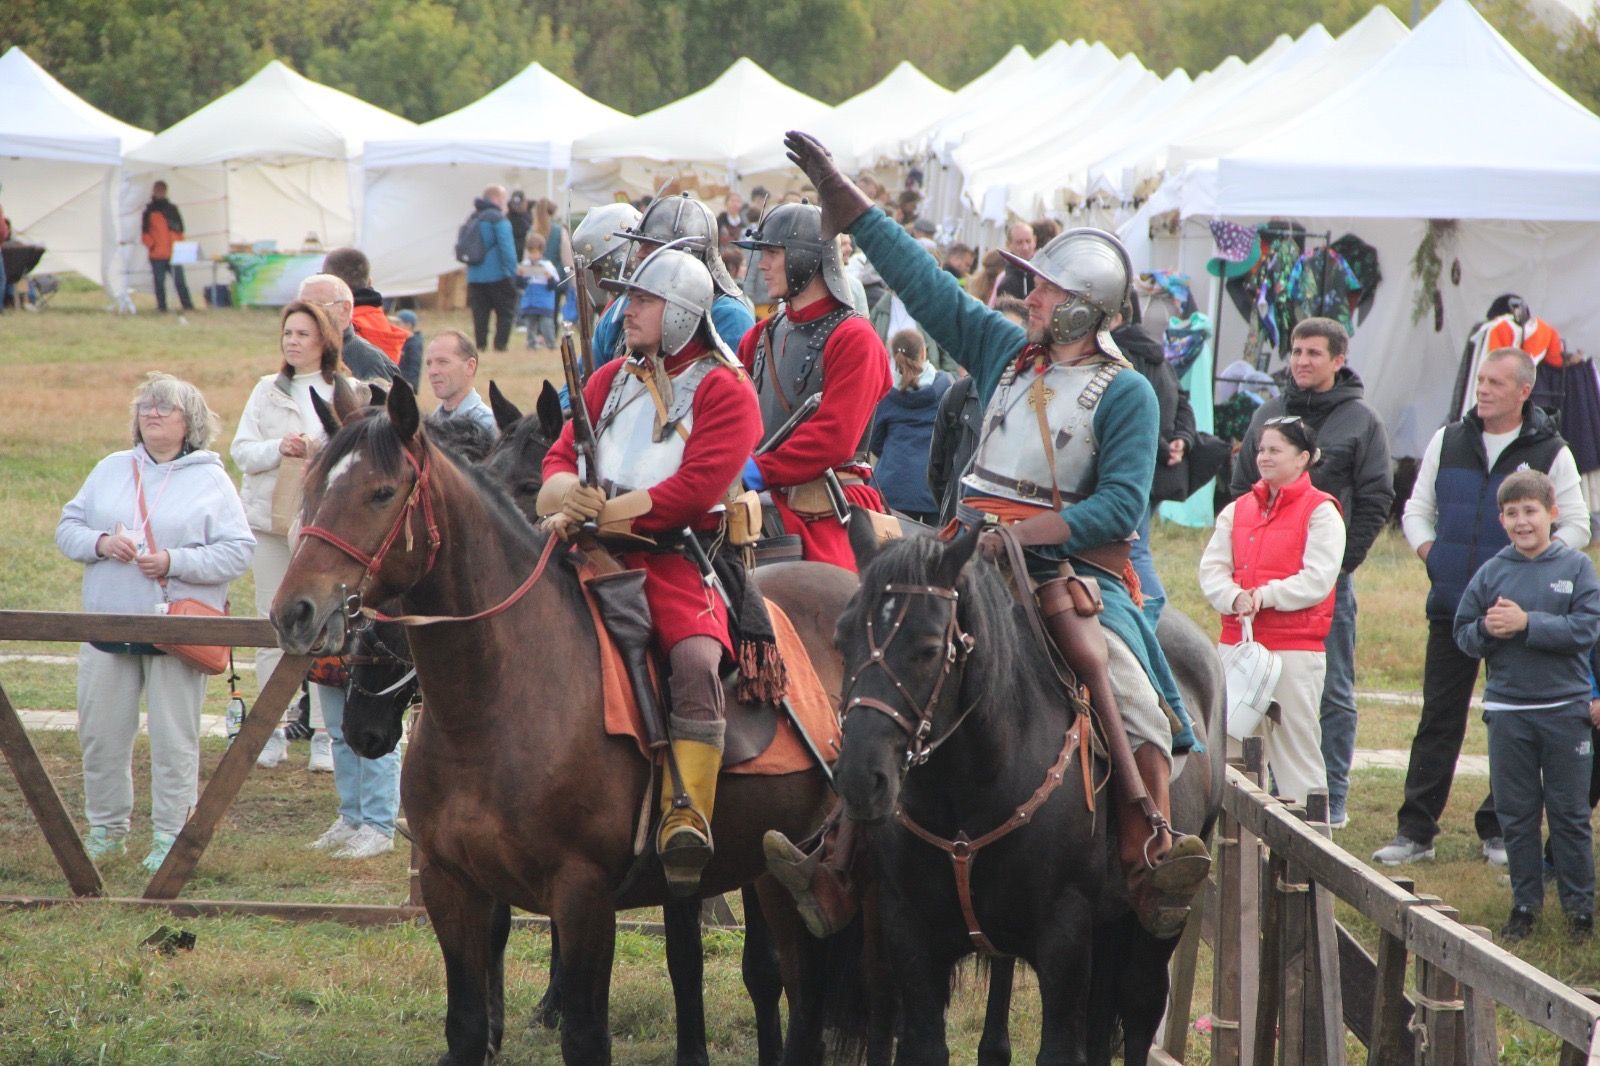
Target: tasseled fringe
{"x":763,"y":675}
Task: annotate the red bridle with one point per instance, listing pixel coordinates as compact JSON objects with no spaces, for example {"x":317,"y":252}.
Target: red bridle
{"x":402,"y":521}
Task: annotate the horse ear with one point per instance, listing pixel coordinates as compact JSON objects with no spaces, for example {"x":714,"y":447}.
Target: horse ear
{"x":506,"y":413}
{"x":549,"y":408}
{"x":376,"y":396}
{"x":402,"y":408}
{"x":325,"y":414}
{"x":956,"y":556}
{"x":864,"y":542}
{"x":345,"y":404}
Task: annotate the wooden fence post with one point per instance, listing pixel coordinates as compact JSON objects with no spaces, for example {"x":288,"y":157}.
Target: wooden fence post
{"x":1252,"y":864}
{"x":1481,"y":1043}
{"x":1391,"y":1044}
{"x":1294,"y":1004}
{"x":48,"y":810}
{"x":1226,"y":947}
{"x":1575,"y":1056}
{"x":1439,"y":1006}
{"x":1325,"y":1001}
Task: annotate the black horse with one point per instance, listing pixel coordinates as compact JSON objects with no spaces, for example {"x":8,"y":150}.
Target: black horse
{"x":934,"y":636}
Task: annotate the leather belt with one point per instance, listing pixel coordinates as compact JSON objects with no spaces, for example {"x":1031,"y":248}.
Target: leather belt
{"x":1028,"y":490}
{"x":1110,"y":558}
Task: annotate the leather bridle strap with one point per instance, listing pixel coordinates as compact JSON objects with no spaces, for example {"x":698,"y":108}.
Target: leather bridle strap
{"x":504,"y":605}
{"x":964,"y":851}
{"x":417,"y":496}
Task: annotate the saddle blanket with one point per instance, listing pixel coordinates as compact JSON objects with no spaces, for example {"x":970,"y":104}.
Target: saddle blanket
{"x":787,"y":753}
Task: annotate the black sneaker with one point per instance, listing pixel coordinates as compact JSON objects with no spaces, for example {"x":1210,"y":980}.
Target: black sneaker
{"x":1580,"y":927}
{"x":1520,"y":925}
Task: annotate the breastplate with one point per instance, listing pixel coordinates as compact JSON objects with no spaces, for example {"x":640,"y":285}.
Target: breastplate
{"x":788,"y":364}
{"x":1011,"y":462}
{"x":625,"y":433}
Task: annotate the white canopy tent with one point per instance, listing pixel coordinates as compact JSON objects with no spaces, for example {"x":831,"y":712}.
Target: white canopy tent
{"x":60,"y":165}
{"x":723,"y":133}
{"x":276,"y":159}
{"x":1399,"y":146}
{"x":419,"y":187}
{"x":869,"y":128}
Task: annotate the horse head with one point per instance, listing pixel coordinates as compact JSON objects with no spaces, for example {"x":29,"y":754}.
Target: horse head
{"x":383,"y":683}
{"x":905,"y":640}
{"x":518,"y":455}
{"x":368,"y":529}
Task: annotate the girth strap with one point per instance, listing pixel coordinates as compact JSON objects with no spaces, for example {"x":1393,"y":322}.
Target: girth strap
{"x":963,"y":851}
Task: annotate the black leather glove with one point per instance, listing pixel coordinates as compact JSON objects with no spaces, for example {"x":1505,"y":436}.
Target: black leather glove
{"x":842,"y":203}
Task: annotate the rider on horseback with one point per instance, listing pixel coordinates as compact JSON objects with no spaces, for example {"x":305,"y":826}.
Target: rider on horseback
{"x":676,"y":419}
{"x":1066,"y":457}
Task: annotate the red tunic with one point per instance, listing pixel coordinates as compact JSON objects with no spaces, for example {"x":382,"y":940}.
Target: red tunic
{"x":855,"y":376}
{"x":725,"y":429}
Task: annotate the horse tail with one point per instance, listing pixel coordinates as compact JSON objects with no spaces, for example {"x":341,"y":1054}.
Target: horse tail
{"x":850,"y":1001}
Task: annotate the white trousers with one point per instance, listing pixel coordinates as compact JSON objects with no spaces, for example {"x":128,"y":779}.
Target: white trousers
{"x":270,"y":564}
{"x":1294,"y":743}
{"x":1142,"y":717}
{"x":108,"y":720}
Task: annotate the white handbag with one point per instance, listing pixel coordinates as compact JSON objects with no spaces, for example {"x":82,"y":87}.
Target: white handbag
{"x":1252,"y":672}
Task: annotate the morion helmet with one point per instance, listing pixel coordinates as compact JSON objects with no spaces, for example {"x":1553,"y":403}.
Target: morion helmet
{"x":797,"y":230}
{"x":671,"y":218}
{"x":602,"y":250}
{"x":681,"y":279}
{"x":1094,"y":268}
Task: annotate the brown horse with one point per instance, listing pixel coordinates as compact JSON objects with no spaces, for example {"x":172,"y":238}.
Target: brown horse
{"x":515,"y":794}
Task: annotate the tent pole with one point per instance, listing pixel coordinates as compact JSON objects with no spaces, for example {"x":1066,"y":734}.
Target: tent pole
{"x":1216,"y":333}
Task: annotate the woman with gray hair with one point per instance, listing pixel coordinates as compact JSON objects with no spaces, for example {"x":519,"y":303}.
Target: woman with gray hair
{"x":157,"y":522}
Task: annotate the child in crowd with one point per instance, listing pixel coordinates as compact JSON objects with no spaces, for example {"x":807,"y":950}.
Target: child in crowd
{"x":1533,"y":614}
{"x":538,"y":307}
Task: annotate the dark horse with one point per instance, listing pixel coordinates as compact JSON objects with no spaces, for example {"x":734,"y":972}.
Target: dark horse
{"x":937,"y":637}
{"x":515,"y":794}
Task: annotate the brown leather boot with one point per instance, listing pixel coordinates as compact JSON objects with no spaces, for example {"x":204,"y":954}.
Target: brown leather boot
{"x":821,"y":883}
{"x":1164,"y":868}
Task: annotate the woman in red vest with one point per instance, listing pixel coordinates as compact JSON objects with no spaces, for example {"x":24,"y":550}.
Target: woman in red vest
{"x":1273,"y":559}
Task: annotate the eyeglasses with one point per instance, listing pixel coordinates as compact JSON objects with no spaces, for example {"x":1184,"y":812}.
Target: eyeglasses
{"x":152,"y":409}
{"x":1281,"y":420}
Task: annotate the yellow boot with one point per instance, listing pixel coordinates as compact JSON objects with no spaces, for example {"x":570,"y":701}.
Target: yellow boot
{"x":684,"y":839}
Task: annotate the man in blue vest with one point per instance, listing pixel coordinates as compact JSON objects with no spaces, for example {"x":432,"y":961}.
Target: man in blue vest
{"x":1452,"y":520}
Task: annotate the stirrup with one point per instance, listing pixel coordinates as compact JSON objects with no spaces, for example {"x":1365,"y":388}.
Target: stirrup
{"x":1184,"y":868}
{"x":685,"y":849}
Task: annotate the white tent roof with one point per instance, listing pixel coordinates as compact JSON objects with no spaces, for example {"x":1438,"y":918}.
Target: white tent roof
{"x":1011,"y":63}
{"x":43,"y":119}
{"x":1295,"y":91}
{"x":530,"y":121}
{"x":731,"y":123}
{"x":871,"y":125}
{"x":1423,"y":135}
{"x":1057,"y":70}
{"x":277,"y":114}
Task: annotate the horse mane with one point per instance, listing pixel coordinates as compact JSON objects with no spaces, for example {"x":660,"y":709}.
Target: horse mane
{"x":999,"y":667}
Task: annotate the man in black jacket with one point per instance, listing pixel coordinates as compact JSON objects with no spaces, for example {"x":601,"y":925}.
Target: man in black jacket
{"x":1352,"y":466}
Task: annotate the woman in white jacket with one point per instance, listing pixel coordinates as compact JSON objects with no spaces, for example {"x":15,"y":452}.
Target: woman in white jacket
{"x":190,"y":532}
{"x":279,"y":423}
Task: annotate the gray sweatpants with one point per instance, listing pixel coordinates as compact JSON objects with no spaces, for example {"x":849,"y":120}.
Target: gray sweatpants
{"x":1540,"y":762}
{"x":108,"y":720}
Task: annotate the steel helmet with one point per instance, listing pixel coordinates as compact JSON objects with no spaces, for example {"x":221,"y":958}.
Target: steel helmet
{"x":672,"y":218}
{"x":600,"y":248}
{"x":1095,"y":270}
{"x":680,"y":278}
{"x":797,"y":230}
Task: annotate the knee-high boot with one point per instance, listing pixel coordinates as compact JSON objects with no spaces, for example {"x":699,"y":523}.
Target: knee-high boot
{"x":689,"y":787}
{"x":824,"y":882}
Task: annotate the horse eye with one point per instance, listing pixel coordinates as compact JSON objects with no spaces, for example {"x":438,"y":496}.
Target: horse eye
{"x":383,"y":495}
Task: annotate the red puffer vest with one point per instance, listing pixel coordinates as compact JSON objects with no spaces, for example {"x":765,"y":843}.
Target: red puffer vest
{"x":1269,"y":544}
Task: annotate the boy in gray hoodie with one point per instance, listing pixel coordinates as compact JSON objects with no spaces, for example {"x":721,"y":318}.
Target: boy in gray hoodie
{"x":1532,"y":612}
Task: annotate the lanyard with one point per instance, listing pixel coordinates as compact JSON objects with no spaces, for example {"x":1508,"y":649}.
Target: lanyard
{"x":146,"y":511}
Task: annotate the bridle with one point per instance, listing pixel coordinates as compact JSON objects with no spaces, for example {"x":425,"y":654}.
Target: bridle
{"x":386,"y":655}
{"x":958,"y":645}
{"x":417,"y":499}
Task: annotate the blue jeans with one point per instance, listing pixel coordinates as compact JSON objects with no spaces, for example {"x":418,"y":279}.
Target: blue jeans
{"x":1155,"y":595}
{"x":369,"y":789}
{"x":1339,"y":696}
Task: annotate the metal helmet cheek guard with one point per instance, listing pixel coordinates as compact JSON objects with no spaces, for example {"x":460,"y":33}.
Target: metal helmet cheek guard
{"x":672,"y":218}
{"x":681,"y":279}
{"x":603,"y":251}
{"x":796,"y":229}
{"x":1094,"y":269}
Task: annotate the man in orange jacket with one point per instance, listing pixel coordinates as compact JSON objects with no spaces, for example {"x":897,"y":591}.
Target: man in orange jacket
{"x":161,"y":227}
{"x":402,"y":346}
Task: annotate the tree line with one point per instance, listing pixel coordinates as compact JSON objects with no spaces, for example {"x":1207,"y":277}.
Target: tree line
{"x":152,"y":62}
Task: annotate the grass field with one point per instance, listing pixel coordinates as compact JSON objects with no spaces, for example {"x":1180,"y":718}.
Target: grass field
{"x":75,"y":987}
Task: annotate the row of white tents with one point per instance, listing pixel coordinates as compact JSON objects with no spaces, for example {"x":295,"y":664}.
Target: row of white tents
{"x":1374,"y":132}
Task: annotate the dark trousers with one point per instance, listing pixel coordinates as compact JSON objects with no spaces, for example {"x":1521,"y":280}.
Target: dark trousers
{"x":1448,"y":675}
{"x":1541,"y":764}
{"x":500,"y":297}
{"x":159,"y":269}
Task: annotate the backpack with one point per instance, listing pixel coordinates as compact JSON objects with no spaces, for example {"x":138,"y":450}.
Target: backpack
{"x":470,"y":246}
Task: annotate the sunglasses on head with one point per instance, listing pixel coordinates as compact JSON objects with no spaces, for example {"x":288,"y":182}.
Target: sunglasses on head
{"x":1281,"y":420}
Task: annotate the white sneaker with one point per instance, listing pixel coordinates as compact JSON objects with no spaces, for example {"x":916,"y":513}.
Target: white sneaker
{"x":365,"y":844}
{"x":1402,"y":850}
{"x":338,"y":834}
{"x":1494,"y":850}
{"x":277,"y":747}
{"x":321,"y":753}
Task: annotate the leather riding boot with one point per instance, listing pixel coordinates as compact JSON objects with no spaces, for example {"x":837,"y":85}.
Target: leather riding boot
{"x":822,"y":883}
{"x":684,"y":839}
{"x":1164,"y":868}
{"x":626,"y":615}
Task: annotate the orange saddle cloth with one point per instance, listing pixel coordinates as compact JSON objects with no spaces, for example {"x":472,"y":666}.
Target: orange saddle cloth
{"x":787,"y":753}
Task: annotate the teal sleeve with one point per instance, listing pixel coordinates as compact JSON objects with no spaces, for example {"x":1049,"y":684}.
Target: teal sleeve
{"x":980,"y":339}
{"x":732,"y":320}
{"x":1126,"y":427}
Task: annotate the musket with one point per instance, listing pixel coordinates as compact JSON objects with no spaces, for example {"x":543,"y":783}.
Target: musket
{"x":583,"y":438}
{"x":580,"y":267}
{"x":830,"y":480}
